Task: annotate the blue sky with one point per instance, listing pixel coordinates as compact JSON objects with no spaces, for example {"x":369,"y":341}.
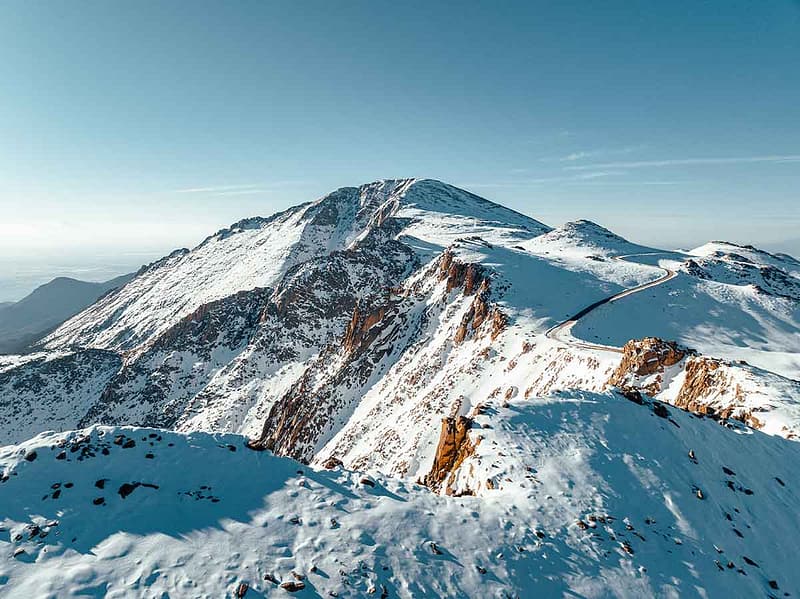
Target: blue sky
{"x":135,"y":127}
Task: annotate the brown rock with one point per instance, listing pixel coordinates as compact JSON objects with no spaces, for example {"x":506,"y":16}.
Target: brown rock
{"x":293,"y":585}
{"x":454,"y":447}
{"x":644,"y":357}
{"x":331,"y":463}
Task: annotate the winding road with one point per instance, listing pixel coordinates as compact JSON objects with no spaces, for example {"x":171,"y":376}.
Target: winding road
{"x":562,"y":331}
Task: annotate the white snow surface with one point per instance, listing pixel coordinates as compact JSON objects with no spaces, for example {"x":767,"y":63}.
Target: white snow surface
{"x":592,"y":496}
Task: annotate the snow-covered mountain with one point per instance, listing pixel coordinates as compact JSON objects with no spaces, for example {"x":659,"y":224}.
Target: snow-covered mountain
{"x":418,"y":332}
{"x":31,"y":318}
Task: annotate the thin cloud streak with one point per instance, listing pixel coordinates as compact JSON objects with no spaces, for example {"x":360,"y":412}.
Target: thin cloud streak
{"x":242,"y":192}
{"x":789,"y":158}
{"x":591,"y":178}
{"x":216,"y":189}
{"x":581,"y":155}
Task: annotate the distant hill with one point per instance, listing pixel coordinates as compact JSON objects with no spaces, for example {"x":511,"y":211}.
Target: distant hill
{"x":31,"y":318}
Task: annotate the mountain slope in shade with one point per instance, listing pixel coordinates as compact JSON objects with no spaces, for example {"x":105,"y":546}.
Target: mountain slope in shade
{"x":31,"y":318}
{"x":579,"y":494}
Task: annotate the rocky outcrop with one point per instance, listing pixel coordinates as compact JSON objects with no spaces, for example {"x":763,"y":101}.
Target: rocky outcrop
{"x":459,"y":274}
{"x":473,"y":279}
{"x":647,"y":359}
{"x":361,"y":331}
{"x":710,"y":389}
{"x":703,"y":385}
{"x":454,"y":447}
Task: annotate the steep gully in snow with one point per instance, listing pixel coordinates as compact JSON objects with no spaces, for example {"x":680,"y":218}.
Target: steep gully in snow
{"x":561,"y":331}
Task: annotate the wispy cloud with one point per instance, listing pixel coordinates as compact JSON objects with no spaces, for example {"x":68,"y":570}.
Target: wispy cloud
{"x":239,"y":189}
{"x":584,"y":154}
{"x":564,"y":179}
{"x":218,"y":188}
{"x":787,"y":158}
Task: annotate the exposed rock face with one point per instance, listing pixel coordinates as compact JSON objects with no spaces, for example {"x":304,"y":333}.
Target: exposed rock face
{"x":472,"y":279}
{"x":454,"y":447}
{"x":711,"y":389}
{"x":52,"y":392}
{"x":158,"y":382}
{"x":459,"y":274}
{"x":361,"y":330}
{"x":707,"y":386}
{"x":381,"y":332}
{"x":643,"y":358}
{"x":702,"y":375}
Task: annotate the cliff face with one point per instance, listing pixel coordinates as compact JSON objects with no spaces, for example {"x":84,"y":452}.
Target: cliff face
{"x":449,"y":300}
{"x":707,"y":386}
{"x":454,"y":447}
{"x":644,"y":363}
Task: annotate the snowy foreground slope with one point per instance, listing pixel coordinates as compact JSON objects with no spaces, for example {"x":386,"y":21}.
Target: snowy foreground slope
{"x":577,"y":494}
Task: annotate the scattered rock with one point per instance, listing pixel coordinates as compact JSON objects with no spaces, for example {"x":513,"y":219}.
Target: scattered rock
{"x":126,"y":489}
{"x":626,"y":547}
{"x":99,"y":500}
{"x":271,"y":578}
{"x":331,"y":463}
{"x":660,"y":410}
{"x":747,"y":560}
{"x":293,"y":586}
{"x":242,"y":589}
{"x":435,"y":549}
{"x":100,"y":483}
{"x":30,"y":456}
{"x":631,"y":394}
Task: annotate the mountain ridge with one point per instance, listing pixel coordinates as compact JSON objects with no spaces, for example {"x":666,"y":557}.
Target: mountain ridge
{"x":397,"y":334}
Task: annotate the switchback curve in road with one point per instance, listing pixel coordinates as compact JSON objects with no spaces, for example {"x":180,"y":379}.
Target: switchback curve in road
{"x":562,"y":331}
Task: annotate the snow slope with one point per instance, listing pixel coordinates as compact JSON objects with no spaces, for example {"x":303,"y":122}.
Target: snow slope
{"x":592,"y":496}
{"x":706,"y":308}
